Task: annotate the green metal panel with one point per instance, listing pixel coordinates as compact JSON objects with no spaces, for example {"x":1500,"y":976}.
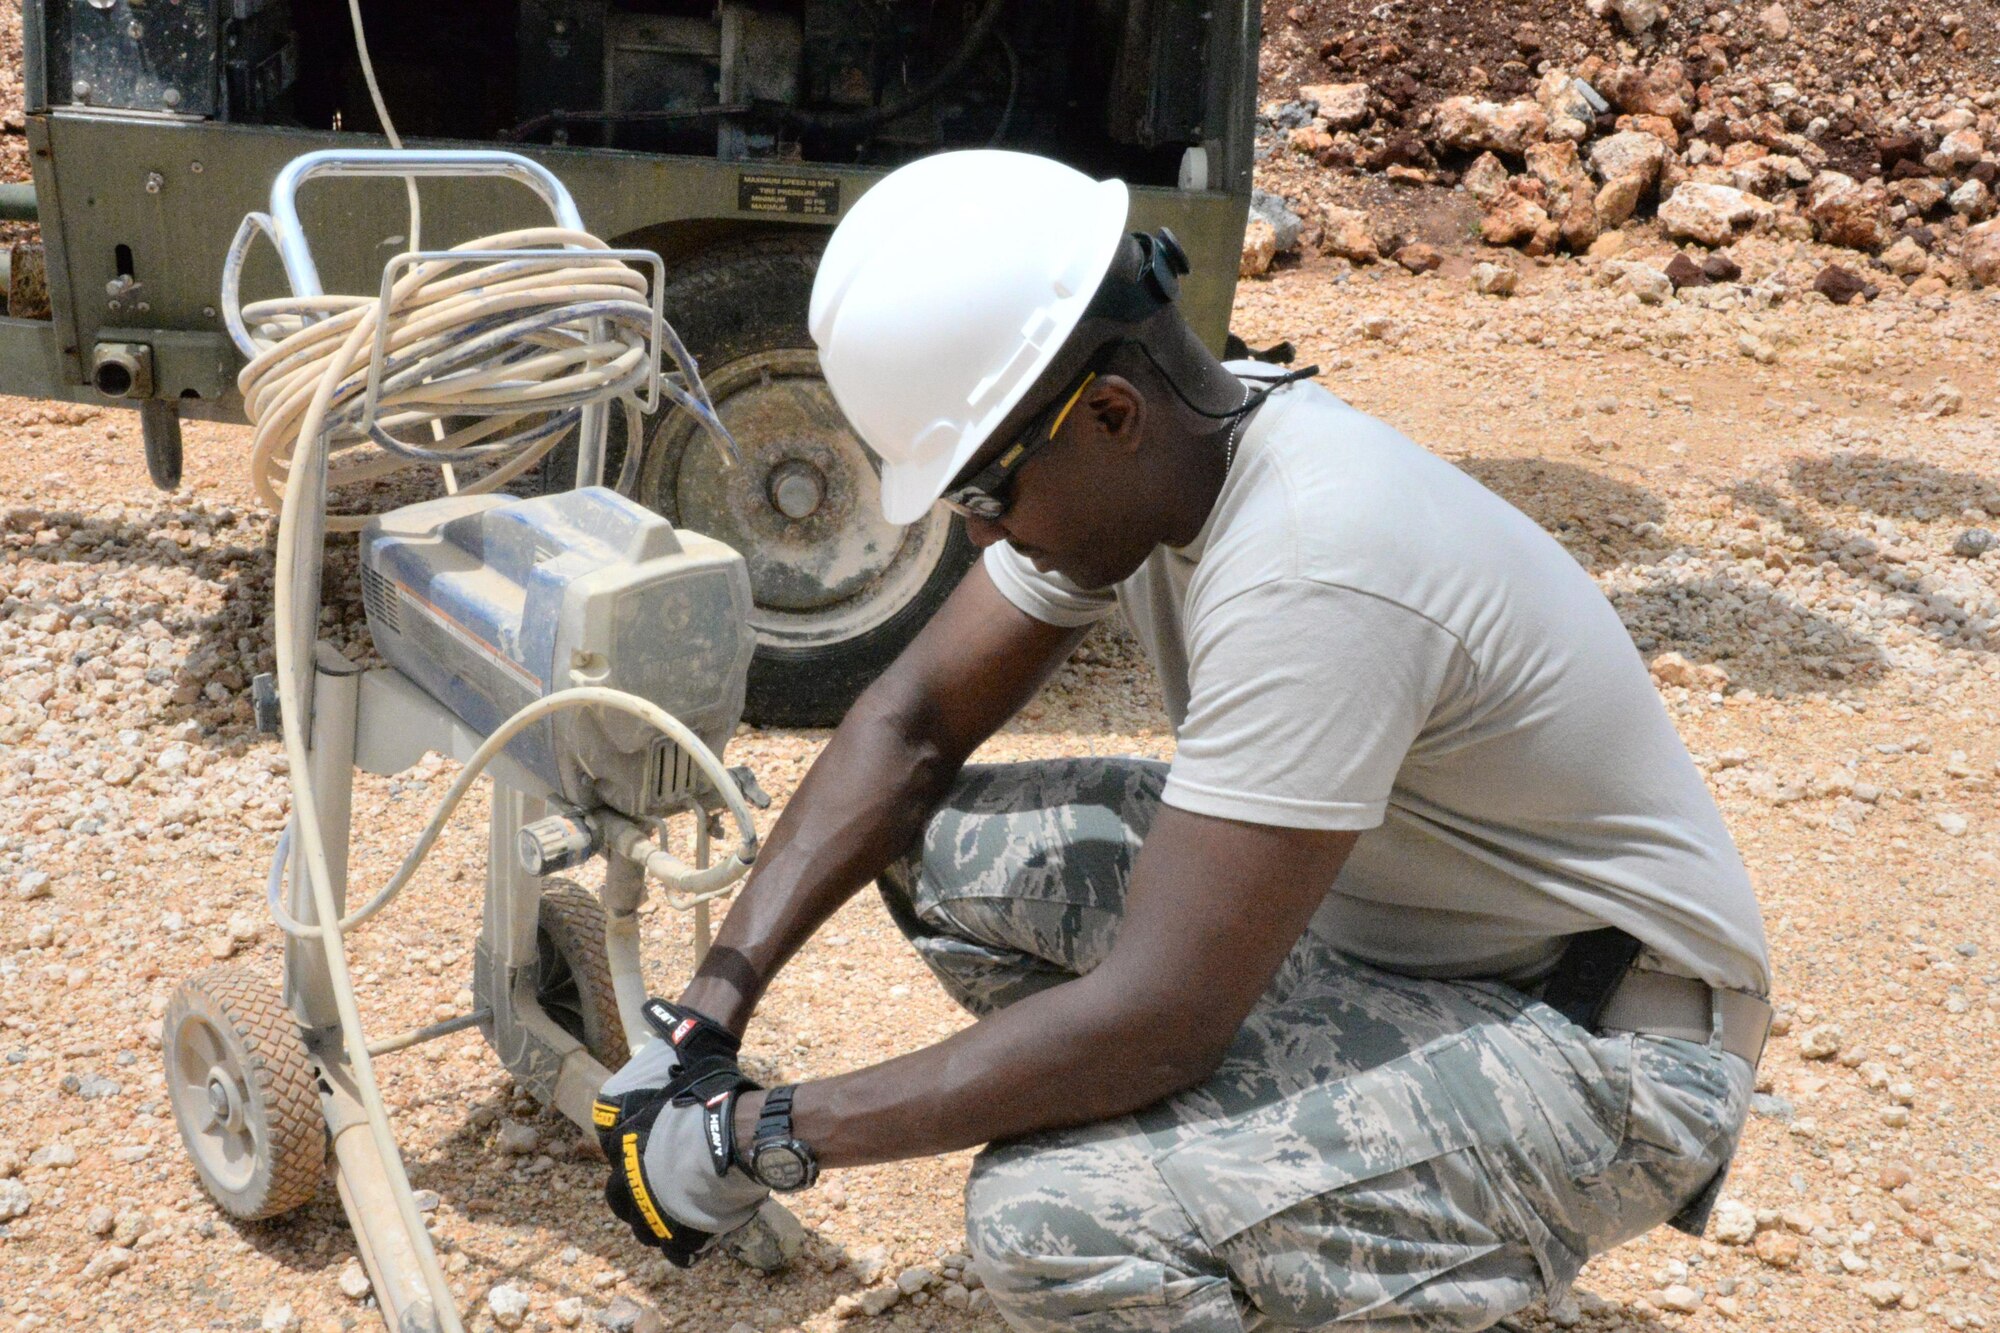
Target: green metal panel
{"x":162,"y":199}
{"x":28,"y":363}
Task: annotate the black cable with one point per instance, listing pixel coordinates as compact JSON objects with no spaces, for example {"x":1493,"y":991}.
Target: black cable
{"x":1013,"y":89}
{"x":1249,"y":404}
{"x":975,"y":39}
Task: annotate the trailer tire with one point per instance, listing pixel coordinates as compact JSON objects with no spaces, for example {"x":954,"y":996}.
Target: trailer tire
{"x":838,"y":591}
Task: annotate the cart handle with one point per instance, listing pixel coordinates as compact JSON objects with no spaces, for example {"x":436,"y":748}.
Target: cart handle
{"x":289,"y":233}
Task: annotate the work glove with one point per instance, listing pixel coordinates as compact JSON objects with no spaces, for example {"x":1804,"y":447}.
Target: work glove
{"x":665,"y":1122}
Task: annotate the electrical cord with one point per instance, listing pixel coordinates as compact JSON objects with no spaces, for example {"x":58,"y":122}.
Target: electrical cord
{"x":692,"y":885}
{"x":382,"y":114}
{"x":519,"y":345}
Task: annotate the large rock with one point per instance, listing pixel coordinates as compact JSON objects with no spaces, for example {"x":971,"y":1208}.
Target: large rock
{"x":1572,"y":194}
{"x":1649,"y":284}
{"x":1972,"y":201}
{"x":1721,"y":268}
{"x":1284,"y":222}
{"x":1662,"y":90}
{"x":1981,"y":254}
{"x":1638,"y":16}
{"x":1769,"y":175}
{"x":1919,"y":194}
{"x":1556,"y":165}
{"x":1682,"y":271}
{"x":1418,"y":257}
{"x":1846,"y":212}
{"x":1906,"y":258}
{"x":1513,"y":220}
{"x":1629,"y":153}
{"x":1658,"y":126}
{"x":1345,"y":232}
{"x":1310,"y":140}
{"x":1494,"y":279}
{"x":1343,"y":106}
{"x":1578,"y":222}
{"x":1260,"y":247}
{"x":1486,"y":179}
{"x":1468,"y":124}
{"x":1959,"y":149}
{"x":1711,"y":214}
{"x":1618,"y":200}
{"x":1572,"y":105}
{"x":1843,"y":286}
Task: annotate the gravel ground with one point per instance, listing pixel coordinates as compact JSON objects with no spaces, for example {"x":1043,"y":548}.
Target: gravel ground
{"x":1778,"y":494}
{"x":1775,"y":519}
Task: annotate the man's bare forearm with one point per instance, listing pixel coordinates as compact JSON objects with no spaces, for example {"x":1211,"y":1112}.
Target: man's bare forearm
{"x":1076,"y":1053}
{"x":862,"y":804}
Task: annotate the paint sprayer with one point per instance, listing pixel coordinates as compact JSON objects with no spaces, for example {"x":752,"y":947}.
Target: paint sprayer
{"x":574,"y":649}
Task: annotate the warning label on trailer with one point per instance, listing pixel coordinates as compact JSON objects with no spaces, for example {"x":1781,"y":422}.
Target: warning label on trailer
{"x":805,"y":196}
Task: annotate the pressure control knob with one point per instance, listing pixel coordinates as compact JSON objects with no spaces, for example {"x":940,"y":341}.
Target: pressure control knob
{"x":557,"y":842}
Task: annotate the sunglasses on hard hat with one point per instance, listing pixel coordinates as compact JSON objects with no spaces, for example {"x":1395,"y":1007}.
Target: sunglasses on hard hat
{"x":986,"y":496}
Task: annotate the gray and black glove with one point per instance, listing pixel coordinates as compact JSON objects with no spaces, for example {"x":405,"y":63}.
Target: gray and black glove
{"x":666,"y":1121}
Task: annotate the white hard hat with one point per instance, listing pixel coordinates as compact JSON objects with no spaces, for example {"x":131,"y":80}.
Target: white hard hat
{"x":944,"y":294}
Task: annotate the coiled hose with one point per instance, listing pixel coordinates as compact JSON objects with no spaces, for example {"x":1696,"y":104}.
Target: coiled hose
{"x":483,"y":360}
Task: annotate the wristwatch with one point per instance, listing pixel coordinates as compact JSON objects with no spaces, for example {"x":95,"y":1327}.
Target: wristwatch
{"x":774,"y":1158}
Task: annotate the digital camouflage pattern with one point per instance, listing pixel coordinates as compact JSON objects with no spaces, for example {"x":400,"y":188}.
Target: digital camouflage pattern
{"x":1400,"y":1153}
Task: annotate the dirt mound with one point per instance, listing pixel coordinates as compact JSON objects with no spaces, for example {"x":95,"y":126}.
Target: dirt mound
{"x":1857,"y":62}
{"x":1547,"y":127}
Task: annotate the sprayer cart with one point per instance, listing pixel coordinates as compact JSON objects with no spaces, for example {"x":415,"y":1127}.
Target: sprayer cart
{"x":574,"y":648}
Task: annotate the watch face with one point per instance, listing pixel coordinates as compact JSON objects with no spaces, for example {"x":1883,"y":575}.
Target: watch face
{"x":781,"y":1166}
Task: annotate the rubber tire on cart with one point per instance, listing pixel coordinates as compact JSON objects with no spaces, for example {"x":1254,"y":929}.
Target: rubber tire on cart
{"x":573,"y":976}
{"x":244,"y":1093}
{"x":838,"y":590}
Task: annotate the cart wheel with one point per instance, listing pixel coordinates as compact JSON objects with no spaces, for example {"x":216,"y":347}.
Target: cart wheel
{"x":574,"y":981}
{"x":244,"y":1093}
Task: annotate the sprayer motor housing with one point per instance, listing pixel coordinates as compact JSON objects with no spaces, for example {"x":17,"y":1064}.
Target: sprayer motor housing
{"x":489,"y":603}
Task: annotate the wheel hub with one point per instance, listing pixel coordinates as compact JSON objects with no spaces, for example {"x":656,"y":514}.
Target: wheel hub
{"x":212,"y":1101}
{"x":804,"y":508}
{"x":796,"y":488}
{"x":225,"y":1102}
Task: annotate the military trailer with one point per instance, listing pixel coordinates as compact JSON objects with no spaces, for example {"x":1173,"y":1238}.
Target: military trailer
{"x":727,"y":137}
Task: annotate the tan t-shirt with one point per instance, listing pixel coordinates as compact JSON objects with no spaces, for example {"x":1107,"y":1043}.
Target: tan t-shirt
{"x":1363,"y":637}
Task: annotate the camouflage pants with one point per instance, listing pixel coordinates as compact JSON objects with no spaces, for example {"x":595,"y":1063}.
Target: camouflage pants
{"x":1392,"y":1152}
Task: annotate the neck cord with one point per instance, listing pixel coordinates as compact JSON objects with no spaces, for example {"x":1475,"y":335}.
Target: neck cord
{"x":1236,"y":431}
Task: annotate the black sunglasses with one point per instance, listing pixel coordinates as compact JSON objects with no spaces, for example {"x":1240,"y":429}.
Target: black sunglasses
{"x":986,"y":496}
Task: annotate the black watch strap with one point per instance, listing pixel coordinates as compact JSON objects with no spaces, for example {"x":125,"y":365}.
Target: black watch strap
{"x":775,"y":1157}
{"x":774,"y":1121}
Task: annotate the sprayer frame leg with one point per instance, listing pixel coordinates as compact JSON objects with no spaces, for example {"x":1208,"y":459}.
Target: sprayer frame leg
{"x":393,"y":1257}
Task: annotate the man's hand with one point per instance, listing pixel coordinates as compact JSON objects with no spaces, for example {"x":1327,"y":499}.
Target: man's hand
{"x":666,"y":1126}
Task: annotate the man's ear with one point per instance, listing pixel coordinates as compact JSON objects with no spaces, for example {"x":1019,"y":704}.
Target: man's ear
{"x":1117,"y":411}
